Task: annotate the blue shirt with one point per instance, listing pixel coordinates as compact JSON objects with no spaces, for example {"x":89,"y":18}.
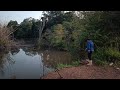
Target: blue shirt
{"x":90,"y":45}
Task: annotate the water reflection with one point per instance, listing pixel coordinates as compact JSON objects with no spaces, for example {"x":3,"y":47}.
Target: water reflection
{"x":53,"y":58}
{"x":5,"y":60}
{"x":29,"y":52}
{"x":15,"y":51}
{"x":25,"y":63}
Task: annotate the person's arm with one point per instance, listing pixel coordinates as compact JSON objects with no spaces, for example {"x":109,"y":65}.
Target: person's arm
{"x":88,"y":47}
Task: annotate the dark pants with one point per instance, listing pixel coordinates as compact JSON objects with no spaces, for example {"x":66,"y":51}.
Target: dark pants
{"x":89,"y":55}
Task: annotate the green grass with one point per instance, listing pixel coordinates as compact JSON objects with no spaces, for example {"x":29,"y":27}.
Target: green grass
{"x":77,"y":63}
{"x":100,"y":63}
{"x":74,"y":63}
{"x":60,"y":66}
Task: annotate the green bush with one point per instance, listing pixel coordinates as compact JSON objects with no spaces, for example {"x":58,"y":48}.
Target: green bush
{"x":112,"y":54}
{"x":100,"y":62}
{"x":76,"y":63}
{"x":99,"y":54}
{"x":106,"y":54}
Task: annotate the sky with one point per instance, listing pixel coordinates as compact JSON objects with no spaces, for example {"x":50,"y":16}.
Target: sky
{"x":19,"y":16}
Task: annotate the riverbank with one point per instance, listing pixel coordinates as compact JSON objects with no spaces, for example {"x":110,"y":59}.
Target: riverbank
{"x":85,"y":72}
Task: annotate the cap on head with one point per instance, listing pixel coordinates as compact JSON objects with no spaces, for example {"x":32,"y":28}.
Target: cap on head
{"x":88,"y":39}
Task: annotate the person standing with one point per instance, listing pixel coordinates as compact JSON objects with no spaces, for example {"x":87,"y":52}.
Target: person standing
{"x":90,"y":50}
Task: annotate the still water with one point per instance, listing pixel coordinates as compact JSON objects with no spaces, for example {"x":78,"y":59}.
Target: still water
{"x":27,"y":64}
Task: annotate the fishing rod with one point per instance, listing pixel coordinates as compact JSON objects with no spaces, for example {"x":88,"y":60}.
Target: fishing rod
{"x":58,"y":73}
{"x":56,"y":70}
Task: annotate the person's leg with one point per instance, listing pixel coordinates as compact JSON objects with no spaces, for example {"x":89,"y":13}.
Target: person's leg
{"x":89,"y":57}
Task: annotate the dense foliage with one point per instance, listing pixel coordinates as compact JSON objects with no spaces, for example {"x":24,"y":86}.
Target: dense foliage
{"x":69,"y":31}
{"x":29,"y":28}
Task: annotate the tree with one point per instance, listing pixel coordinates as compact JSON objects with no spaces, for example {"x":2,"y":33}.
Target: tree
{"x":58,"y":36}
{"x":12,"y":23}
{"x":29,"y":28}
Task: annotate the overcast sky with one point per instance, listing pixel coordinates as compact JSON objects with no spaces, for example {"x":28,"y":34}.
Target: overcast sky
{"x":19,"y":16}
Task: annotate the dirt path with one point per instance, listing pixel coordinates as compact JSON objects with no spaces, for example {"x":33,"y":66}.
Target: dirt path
{"x":85,"y":72}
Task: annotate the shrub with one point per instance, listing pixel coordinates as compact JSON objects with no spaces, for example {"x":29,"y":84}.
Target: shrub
{"x":5,"y":38}
{"x":112,"y":54}
{"x":99,"y":54}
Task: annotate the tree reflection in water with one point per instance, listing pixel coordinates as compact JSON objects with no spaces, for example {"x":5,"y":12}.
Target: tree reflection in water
{"x":15,"y":51}
{"x":29,"y":51}
{"x":2,"y":55}
{"x":52,"y":58}
{"x":47,"y":61}
{"x":6,"y":61}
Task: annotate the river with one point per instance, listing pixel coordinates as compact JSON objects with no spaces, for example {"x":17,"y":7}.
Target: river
{"x":25,"y":63}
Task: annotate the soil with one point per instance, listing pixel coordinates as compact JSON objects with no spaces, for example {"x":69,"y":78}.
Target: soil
{"x":85,"y":72}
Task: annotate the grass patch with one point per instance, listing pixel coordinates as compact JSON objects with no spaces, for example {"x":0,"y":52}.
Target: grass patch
{"x":100,"y":63}
{"x":60,"y":66}
{"x":73,"y":64}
